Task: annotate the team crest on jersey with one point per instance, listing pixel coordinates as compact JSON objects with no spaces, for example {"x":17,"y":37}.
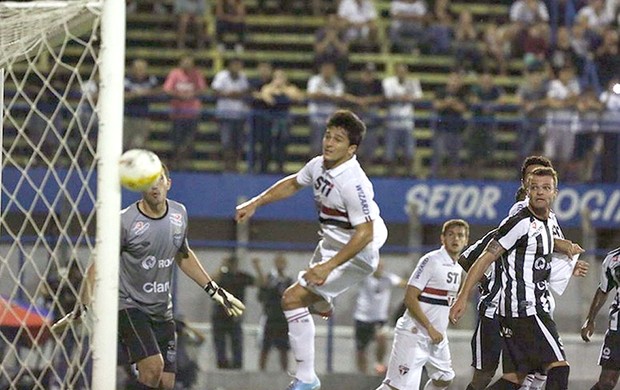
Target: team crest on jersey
{"x":177,"y":239}
{"x":403,"y":369}
{"x":140,"y":227}
{"x":176,"y":219}
{"x":149,"y":262}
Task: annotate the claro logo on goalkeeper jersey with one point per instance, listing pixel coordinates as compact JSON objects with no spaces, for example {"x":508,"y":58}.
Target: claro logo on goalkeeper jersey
{"x":156,"y":287}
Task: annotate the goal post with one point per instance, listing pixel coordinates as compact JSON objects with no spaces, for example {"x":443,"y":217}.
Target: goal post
{"x":61,"y":104}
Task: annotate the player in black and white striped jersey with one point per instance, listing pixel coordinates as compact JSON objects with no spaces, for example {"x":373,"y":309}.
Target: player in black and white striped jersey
{"x":609,"y":359}
{"x":526,"y":238}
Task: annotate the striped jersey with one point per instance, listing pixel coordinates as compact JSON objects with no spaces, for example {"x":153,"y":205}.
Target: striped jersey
{"x":148,"y":250}
{"x":344,"y":198}
{"x":528,"y":242}
{"x":438,"y":277}
{"x":490,"y":285}
{"x":610,"y":279}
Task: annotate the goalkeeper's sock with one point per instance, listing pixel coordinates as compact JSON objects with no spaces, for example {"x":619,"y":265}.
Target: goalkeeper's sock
{"x":301,"y":335}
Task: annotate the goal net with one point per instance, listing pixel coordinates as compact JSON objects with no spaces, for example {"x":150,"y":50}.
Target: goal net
{"x":54,"y":180}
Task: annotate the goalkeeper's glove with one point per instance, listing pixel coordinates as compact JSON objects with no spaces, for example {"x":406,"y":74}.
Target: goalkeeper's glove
{"x":232,"y":305}
{"x":73,"y":317}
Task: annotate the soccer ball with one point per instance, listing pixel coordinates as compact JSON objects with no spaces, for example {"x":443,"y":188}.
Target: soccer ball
{"x":139,"y":169}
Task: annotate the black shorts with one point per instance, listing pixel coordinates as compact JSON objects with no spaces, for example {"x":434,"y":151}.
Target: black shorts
{"x":365,"y":332}
{"x":531,"y":343}
{"x":140,"y":337}
{"x":276,"y":335}
{"x":486,"y":344}
{"x":609,"y":358}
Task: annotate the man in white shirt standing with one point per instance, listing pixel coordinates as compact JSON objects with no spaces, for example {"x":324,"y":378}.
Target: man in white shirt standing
{"x":400,"y":91}
{"x":420,"y":338}
{"x":325,"y":91}
{"x":231,"y":87}
{"x":371,"y":315}
{"x":352,"y":232}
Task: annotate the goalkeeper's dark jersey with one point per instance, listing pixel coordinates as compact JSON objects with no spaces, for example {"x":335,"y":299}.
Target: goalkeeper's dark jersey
{"x":148,"y":249}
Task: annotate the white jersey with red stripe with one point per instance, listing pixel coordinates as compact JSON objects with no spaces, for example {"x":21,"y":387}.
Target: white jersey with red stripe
{"x":344,"y":197}
{"x":438,"y":277}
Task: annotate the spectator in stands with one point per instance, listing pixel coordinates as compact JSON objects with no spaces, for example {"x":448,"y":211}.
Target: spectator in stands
{"x":563,"y":54}
{"x":559,"y":139}
{"x":184,"y":85}
{"x":274,"y":327}
{"x":230,"y":18}
{"x":610,"y":123}
{"x":495,"y":49}
{"x":279,"y":95}
{"x":140,"y":86}
{"x":439,"y":32}
{"x":366,"y":96}
{"x":536,"y":43}
{"x":466,"y":44}
{"x":407,"y":24}
{"x":325,"y":92}
{"x":608,"y":57}
{"x":532,"y":97}
{"x":360,"y":18}
{"x":485,"y":97}
{"x":587,"y":136}
{"x":187,"y":11}
{"x":401,"y":91}
{"x":331,"y":45}
{"x":524,"y":13}
{"x":260,"y":120}
{"x":597,"y":16}
{"x":450,"y":105}
{"x":227,"y":329}
{"x":231,"y":88}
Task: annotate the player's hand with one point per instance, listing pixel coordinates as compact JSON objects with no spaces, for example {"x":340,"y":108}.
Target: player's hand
{"x":232,"y":305}
{"x":73,"y":317}
{"x":317,"y":274}
{"x":436,"y":336}
{"x":576,"y":249}
{"x":458,"y":309}
{"x":587,"y":330}
{"x":581,"y":268}
{"x":245,"y":211}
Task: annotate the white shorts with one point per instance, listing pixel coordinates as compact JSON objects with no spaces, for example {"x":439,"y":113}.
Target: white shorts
{"x":411,"y":352}
{"x":343,"y":277}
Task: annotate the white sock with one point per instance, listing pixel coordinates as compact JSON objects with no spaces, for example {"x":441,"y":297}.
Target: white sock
{"x":538,"y":381}
{"x":534,"y":381}
{"x":301,"y":336}
{"x":431,"y":386}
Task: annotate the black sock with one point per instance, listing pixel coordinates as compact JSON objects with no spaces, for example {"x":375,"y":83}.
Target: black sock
{"x":142,"y":386}
{"x":596,"y":387}
{"x":503,"y":384}
{"x":470,"y":387}
{"x":557,"y":378}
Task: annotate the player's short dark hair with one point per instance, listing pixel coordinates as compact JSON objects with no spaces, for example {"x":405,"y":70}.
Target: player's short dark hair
{"x":521,"y":194}
{"x":534,"y":160}
{"x":351,"y":123}
{"x":546,"y":171}
{"x":165,"y":170}
{"x":455,"y":223}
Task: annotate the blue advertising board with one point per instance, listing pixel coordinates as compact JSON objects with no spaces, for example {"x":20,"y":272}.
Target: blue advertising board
{"x":216,"y":195}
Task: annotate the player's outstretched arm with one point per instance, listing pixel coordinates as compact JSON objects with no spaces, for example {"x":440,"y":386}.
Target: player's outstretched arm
{"x":492,"y":252}
{"x":588,"y":326}
{"x":189,"y":264}
{"x":280,"y":190}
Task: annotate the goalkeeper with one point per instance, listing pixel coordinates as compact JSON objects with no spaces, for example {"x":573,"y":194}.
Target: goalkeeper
{"x":153,"y":238}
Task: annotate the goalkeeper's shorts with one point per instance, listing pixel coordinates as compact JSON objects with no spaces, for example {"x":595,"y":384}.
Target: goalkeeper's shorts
{"x":140,"y":337}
